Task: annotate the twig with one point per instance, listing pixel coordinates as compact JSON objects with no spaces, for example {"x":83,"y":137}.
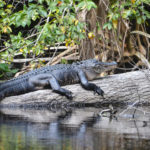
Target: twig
{"x":67,"y":57}
{"x":131,"y":106}
{"x":53,"y":54}
{"x":124,"y":38}
{"x":30,"y":59}
{"x":51,"y":48}
{"x":141,"y":33}
{"x":62,"y":54}
{"x":47,"y":20}
{"x":143,"y":59}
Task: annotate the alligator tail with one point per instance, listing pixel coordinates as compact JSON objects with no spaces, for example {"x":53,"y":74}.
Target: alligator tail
{"x":18,"y":89}
{"x":9,"y":83}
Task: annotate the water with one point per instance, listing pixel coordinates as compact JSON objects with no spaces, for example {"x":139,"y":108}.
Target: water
{"x":74,"y":129}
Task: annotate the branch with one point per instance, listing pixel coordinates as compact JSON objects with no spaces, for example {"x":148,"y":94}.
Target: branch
{"x":58,"y":57}
{"x":120,"y":88}
{"x":47,"y":20}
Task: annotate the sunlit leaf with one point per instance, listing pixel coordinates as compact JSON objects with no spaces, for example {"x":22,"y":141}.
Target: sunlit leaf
{"x":115,"y":23}
{"x":91,"y":35}
{"x":63,"y":29}
{"x":133,"y":1}
{"x":76,"y":22}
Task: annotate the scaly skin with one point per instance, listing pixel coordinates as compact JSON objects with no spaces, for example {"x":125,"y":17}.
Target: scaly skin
{"x":54,"y":76}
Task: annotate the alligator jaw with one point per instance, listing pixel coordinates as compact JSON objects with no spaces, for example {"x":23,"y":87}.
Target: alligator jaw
{"x":110,"y":65}
{"x":105,"y":66}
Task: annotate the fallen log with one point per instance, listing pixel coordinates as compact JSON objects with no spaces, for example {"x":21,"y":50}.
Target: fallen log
{"x":120,"y":88}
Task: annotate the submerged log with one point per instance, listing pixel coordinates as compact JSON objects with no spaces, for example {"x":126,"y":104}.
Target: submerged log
{"x":128,"y":87}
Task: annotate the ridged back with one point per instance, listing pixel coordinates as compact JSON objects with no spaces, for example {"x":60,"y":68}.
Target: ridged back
{"x":20,"y":84}
{"x":25,"y":77}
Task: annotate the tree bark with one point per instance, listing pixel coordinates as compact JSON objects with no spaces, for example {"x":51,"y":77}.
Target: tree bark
{"x":120,"y":88}
{"x":86,"y":48}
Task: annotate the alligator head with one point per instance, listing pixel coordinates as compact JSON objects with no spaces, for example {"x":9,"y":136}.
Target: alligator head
{"x":92,"y":67}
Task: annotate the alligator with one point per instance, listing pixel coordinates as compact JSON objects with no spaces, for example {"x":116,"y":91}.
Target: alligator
{"x":56,"y":76}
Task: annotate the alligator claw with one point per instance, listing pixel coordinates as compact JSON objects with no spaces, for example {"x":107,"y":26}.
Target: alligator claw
{"x":68,"y":94}
{"x":99,"y":91}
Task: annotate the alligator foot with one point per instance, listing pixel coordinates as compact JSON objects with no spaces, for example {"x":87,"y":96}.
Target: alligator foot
{"x":68,"y":94}
{"x":89,"y":86}
{"x":99,"y":91}
{"x":64,"y":92}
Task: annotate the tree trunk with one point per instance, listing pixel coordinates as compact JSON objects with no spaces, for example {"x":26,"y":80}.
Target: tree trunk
{"x":119,"y":88}
{"x":86,"y":48}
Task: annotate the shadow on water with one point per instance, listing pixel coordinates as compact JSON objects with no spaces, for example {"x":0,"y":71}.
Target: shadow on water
{"x":73,"y":129}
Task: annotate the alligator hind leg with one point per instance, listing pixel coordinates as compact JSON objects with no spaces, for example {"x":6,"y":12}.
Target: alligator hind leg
{"x":56,"y":88}
{"x":89,"y":86}
{"x":46,"y":79}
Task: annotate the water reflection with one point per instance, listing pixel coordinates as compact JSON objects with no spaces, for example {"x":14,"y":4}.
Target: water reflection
{"x":73,"y":129}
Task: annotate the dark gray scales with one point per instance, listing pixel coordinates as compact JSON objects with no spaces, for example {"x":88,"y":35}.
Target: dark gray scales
{"x":56,"y":76}
{"x":24,"y":77}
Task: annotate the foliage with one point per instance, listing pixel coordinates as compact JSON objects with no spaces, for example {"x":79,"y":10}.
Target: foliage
{"x":127,"y":10}
{"x":28,"y":27}
{"x":5,"y":70}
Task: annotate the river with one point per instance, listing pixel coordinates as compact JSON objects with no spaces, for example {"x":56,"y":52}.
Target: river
{"x":74,"y":129}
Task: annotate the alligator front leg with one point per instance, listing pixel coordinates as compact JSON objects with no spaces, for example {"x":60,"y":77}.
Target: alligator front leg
{"x":46,"y":79}
{"x":89,"y":86}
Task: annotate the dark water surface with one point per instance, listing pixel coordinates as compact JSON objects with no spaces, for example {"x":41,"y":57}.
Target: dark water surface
{"x":74,"y":129}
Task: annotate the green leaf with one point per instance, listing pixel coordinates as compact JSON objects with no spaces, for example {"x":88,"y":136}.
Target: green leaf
{"x":126,"y":13}
{"x":53,"y":6}
{"x":28,"y":22}
{"x":144,"y":18}
{"x":4,"y":67}
{"x":81,"y":5}
{"x":147,"y":13}
{"x":40,"y":1}
{"x":1,"y":75}
{"x":14,"y":71}
{"x":139,"y":20}
{"x":42,"y":12}
{"x":108,"y":25}
{"x":61,"y":38}
{"x":64,"y":61}
{"x":90,"y":5}
{"x":2,"y":3}
{"x":86,"y":4}
{"x":38,"y":51}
